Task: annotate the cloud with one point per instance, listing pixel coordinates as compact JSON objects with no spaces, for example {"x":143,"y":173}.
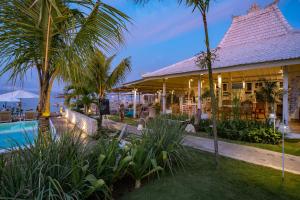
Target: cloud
{"x":157,"y":23}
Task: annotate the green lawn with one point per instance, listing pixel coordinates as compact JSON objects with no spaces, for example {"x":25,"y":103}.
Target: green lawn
{"x":291,"y":146}
{"x":233,"y":180}
{"x":127,"y":120}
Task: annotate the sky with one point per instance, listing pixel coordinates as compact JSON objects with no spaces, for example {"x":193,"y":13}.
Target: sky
{"x":162,"y":33}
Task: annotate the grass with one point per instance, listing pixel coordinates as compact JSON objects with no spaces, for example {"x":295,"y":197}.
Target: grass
{"x":127,"y":120}
{"x":291,"y":146}
{"x":231,"y":180}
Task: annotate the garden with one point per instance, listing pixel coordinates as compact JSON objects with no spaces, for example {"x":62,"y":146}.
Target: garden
{"x":136,"y":168}
{"x":70,"y":168}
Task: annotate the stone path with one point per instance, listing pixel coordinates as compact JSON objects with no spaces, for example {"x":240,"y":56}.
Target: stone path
{"x":248,"y":154}
{"x":239,"y":152}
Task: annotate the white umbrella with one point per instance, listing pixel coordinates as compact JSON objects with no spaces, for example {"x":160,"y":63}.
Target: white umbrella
{"x":8,"y":99}
{"x":19,"y":94}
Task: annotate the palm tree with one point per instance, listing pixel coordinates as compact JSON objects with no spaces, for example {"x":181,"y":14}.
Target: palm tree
{"x":82,"y":94}
{"x":102,"y":77}
{"x":55,"y":37}
{"x":204,"y":60}
{"x":269,"y":93}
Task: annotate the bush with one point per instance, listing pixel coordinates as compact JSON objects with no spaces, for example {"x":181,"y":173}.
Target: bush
{"x":178,"y":117}
{"x":243,"y":130}
{"x":164,"y":139}
{"x":49,"y":169}
{"x":67,"y":168}
{"x":262,"y":135}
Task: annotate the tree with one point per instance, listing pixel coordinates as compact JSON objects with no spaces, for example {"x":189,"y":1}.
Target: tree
{"x":55,"y":37}
{"x":102,"y":77}
{"x":83,"y":96}
{"x":204,"y":60}
{"x":269,"y":93}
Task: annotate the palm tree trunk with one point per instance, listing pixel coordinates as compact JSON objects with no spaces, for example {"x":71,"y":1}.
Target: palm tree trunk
{"x":45,"y":87}
{"x":44,"y":103}
{"x":100,"y":118}
{"x":211,"y":87}
{"x":138,"y":184}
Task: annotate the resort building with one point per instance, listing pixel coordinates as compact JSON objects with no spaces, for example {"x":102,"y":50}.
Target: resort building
{"x":258,"y":46}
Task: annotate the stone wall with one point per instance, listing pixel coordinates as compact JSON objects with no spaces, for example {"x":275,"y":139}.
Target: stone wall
{"x":83,"y":122}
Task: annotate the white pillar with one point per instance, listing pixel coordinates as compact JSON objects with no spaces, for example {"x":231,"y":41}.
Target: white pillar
{"x":199,"y":93}
{"x":181,"y":103}
{"x":220,"y":90}
{"x":159,"y":96}
{"x":134,"y":103}
{"x":164,"y":96}
{"x":285,"y":100}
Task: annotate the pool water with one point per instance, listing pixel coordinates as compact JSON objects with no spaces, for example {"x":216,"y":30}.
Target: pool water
{"x":17,"y":134}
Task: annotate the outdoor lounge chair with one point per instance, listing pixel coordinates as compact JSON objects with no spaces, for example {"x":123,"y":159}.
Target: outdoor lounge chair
{"x":5,"y":116}
{"x":30,"y":116}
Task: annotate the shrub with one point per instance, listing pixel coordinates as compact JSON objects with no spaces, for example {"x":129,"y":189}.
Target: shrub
{"x":48,"y":169}
{"x":108,"y":160}
{"x":67,"y":168}
{"x":164,"y":139}
{"x":143,"y":162}
{"x":262,"y":135}
{"x":178,"y":117}
{"x":243,"y":130}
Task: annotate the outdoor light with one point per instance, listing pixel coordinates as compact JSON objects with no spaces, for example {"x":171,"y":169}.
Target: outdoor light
{"x":283,"y":134}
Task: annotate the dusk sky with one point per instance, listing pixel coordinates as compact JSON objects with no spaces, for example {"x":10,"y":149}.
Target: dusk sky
{"x":163,"y":33}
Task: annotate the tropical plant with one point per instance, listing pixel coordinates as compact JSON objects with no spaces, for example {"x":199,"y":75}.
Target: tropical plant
{"x":143,"y":162}
{"x":236,"y":108}
{"x":177,"y":117}
{"x":269,"y":93}
{"x":109,"y":161}
{"x":164,"y":138}
{"x":100,"y":76}
{"x":82,"y":95}
{"x":265,"y":135}
{"x":49,"y":168}
{"x":55,"y":37}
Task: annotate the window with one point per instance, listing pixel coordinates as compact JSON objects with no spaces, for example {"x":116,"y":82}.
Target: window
{"x":258,"y":85}
{"x":249,"y":87}
{"x":225,"y":87}
{"x":280,"y":84}
{"x":237,"y":86}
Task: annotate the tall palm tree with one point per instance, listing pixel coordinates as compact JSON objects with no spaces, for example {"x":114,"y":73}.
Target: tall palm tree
{"x":55,"y":37}
{"x":204,"y":60}
{"x":101,"y":76}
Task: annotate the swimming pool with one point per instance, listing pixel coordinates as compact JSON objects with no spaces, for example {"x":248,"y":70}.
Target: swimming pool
{"x":17,"y":133}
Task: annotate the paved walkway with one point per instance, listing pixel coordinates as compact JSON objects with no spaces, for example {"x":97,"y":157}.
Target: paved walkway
{"x":248,"y":154}
{"x":239,"y":152}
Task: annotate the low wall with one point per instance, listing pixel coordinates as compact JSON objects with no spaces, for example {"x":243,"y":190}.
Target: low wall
{"x":83,"y":122}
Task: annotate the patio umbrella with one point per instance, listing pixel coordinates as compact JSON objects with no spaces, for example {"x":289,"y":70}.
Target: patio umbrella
{"x":17,"y":96}
{"x":8,"y":99}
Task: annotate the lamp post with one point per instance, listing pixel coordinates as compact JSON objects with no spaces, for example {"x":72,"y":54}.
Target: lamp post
{"x":283,"y":134}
